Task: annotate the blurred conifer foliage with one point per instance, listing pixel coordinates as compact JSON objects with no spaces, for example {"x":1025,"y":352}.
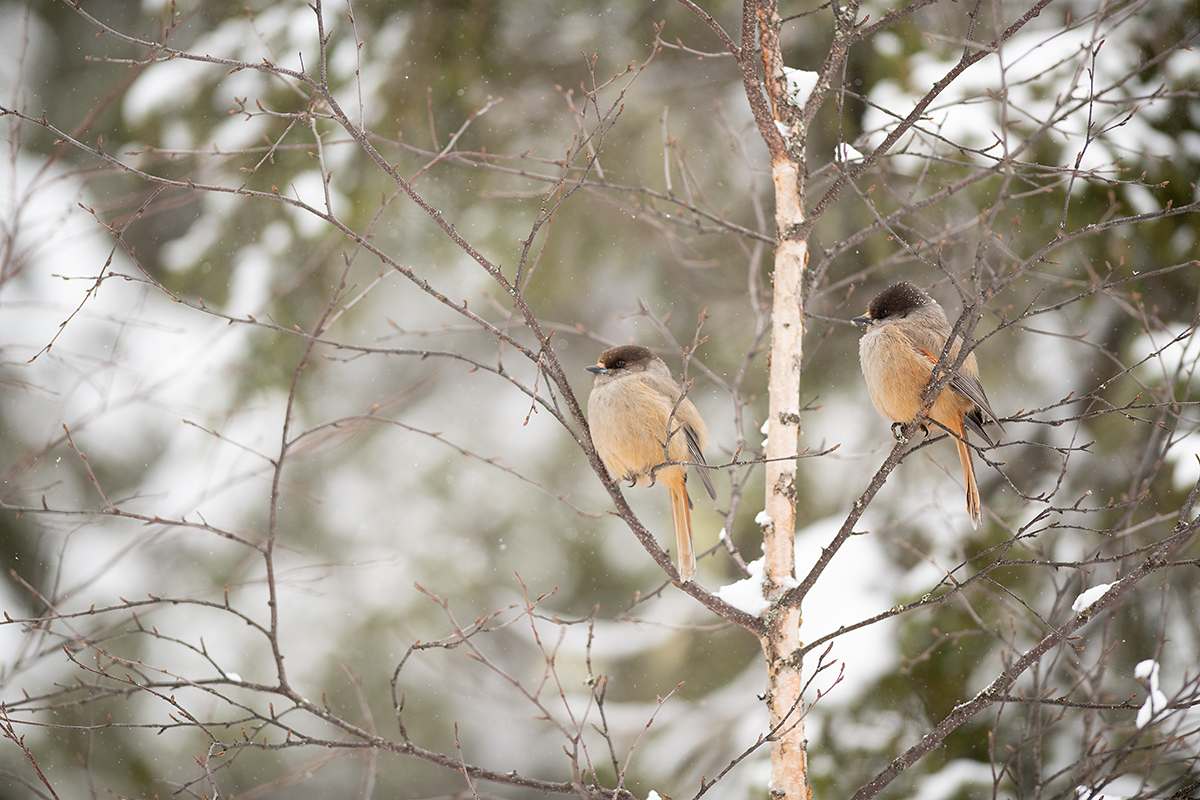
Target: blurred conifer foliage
{"x":298,"y":500}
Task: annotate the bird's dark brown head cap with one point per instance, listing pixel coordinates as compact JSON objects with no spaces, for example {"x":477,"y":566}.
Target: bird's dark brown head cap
{"x":895,"y":302}
{"x":622,"y":357}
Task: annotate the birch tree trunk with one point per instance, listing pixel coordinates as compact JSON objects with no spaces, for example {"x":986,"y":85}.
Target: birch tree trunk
{"x":781,"y":642}
{"x":783,"y":121}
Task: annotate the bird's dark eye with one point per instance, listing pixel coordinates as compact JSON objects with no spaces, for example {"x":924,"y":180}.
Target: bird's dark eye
{"x":883,"y":312}
{"x":620,"y":362}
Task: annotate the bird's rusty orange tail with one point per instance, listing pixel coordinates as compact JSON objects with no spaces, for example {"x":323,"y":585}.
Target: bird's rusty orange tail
{"x":973,"y":507}
{"x":683,"y":528}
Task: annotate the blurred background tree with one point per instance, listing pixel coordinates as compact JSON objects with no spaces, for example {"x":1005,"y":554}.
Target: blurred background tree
{"x":296,"y":497}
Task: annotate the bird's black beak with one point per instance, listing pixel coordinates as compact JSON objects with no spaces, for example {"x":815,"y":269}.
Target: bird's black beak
{"x":862,"y":320}
{"x":596,"y":368}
